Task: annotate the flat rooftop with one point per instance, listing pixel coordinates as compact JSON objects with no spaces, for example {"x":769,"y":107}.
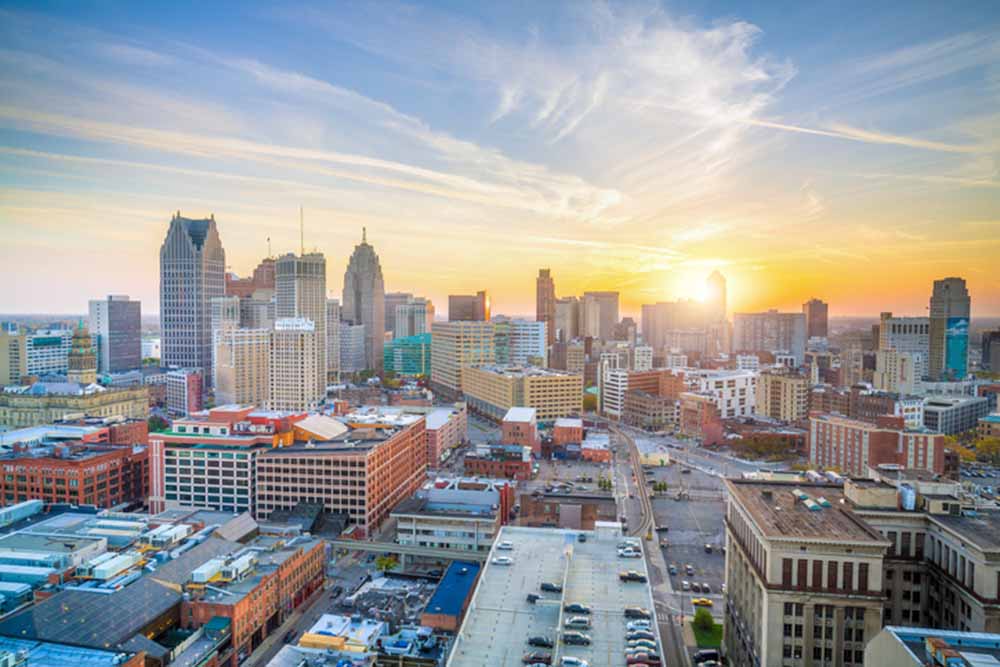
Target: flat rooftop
{"x":518,"y":414}
{"x":981,"y":529}
{"x":499,"y":618}
{"x":423,"y":506}
{"x":47,"y":653}
{"x":525,"y":371}
{"x":979,"y":648}
{"x":781,"y":515}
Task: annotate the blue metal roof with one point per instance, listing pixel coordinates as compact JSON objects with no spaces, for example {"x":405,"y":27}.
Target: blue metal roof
{"x":454,"y":589}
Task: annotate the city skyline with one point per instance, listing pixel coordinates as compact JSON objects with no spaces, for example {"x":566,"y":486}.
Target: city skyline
{"x":795,"y":166}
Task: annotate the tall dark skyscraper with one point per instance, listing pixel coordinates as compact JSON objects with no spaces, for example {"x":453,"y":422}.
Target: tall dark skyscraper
{"x":116,"y":327}
{"x":545,"y":303}
{"x":949,"y":329}
{"x":816,"y":313}
{"x":364,"y":299}
{"x":192,"y":273}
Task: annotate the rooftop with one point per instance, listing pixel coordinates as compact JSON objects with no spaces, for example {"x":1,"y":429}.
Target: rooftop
{"x":781,"y":515}
{"x":991,"y":419}
{"x":983,"y":647}
{"x":981,"y":528}
{"x":524,"y":371}
{"x":54,"y":655}
{"x":523,"y":415}
{"x":569,"y":422}
{"x":588,"y":572}
{"x":444,"y":509}
{"x":453,"y":590}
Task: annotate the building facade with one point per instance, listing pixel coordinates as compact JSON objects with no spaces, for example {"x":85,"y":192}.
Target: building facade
{"x":185,"y":390}
{"x":116,"y":325}
{"x":43,"y":403}
{"x":598,"y":314}
{"x":454,"y":346}
{"x":493,"y":390}
{"x":192,"y":272}
{"x":782,"y":396}
{"x":242,"y":366}
{"x":352,"y":347}
{"x":364,"y":299}
{"x":770,"y":332}
{"x":295,"y":382}
{"x":300,"y":292}
{"x":816,"y":312}
{"x":954,"y":414}
{"x":47,"y":351}
{"x":520,"y":342}
{"x":545,"y":304}
{"x":13,"y":356}
{"x":907,"y":335}
{"x":853,"y":446}
{"x":469,"y":307}
{"x":410,"y":355}
{"x":949,"y":330}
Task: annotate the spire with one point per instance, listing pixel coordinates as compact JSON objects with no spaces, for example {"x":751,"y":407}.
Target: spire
{"x":364,"y":235}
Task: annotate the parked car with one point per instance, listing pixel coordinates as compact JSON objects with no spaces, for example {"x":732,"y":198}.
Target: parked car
{"x":636,"y":626}
{"x":550,"y":587}
{"x":672,"y":570}
{"x":708,"y":548}
{"x":506,"y":545}
{"x":629,"y":553}
{"x":640,"y":634}
{"x":533,"y":598}
{"x":685,"y":585}
{"x":695,"y":587}
{"x":578,"y":622}
{"x":644,"y":659}
{"x":706,"y":655}
{"x":537,"y":658}
{"x":581,"y":538}
{"x":636,"y":612}
{"x":503,"y":560}
{"x":576,"y":608}
{"x":701,"y":602}
{"x":576,"y":638}
{"x":632,"y":575}
{"x":705,"y":588}
{"x":689,"y":568}
{"x":571,"y":661}
{"x":540,"y":641}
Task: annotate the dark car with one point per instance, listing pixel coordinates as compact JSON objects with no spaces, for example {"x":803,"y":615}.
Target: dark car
{"x":536,"y":658}
{"x":632,"y":575}
{"x":644,"y":659}
{"x":542,"y":642}
{"x":533,"y":598}
{"x":289,"y":637}
{"x":577,"y":608}
{"x":640,"y":634}
{"x":549,"y":587}
{"x":706,"y":655}
{"x":637,"y":612}
{"x":337,"y":591}
{"x":578,"y":638}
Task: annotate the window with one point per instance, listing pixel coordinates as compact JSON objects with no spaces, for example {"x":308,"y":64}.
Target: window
{"x":788,"y":630}
{"x":905,"y":546}
{"x":817,"y":653}
{"x":892,"y":547}
{"x":863,"y":576}
{"x":798,"y":630}
{"x":786,"y":572}
{"x":848,"y":576}
{"x":817,"y":577}
{"x":801,"y":574}
{"x":831,"y":576}
{"x":788,"y":609}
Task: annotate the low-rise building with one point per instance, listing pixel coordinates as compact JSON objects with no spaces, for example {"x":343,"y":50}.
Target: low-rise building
{"x":520,"y":427}
{"x":446,"y":429}
{"x":567,"y":430}
{"x":185,"y":390}
{"x":954,"y":414}
{"x":506,"y":461}
{"x":47,"y":402}
{"x":649,"y":411}
{"x":852,"y":446}
{"x":989,"y":426}
{"x":460,"y":514}
{"x":782,"y":396}
{"x":922,"y":647}
{"x":493,"y":390}
{"x":698,"y":417}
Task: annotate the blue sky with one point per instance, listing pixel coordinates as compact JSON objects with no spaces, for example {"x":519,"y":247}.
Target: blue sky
{"x":841,"y":150}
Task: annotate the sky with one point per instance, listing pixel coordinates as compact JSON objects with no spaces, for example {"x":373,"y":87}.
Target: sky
{"x":846,"y":151}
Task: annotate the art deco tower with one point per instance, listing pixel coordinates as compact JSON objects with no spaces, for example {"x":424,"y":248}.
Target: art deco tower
{"x":364,"y":299}
{"x":82,"y":360}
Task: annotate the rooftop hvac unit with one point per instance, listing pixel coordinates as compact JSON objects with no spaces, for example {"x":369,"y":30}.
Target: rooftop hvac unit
{"x":812,"y":505}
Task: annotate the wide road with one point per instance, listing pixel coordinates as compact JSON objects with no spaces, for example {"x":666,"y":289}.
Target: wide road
{"x":671,"y":634}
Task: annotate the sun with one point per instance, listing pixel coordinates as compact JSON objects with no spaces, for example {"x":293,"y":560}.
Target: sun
{"x":691,"y":285}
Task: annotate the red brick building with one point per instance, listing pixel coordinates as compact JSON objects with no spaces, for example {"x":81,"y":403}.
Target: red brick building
{"x":504,"y":461}
{"x":77,"y":473}
{"x":699,"y":418}
{"x":262,"y":278}
{"x":567,"y":430}
{"x":852,"y":445}
{"x":520,"y":427}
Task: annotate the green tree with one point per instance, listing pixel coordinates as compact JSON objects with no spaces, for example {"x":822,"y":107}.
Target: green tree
{"x":703,"y":620}
{"x":157,"y":424}
{"x":386,"y":563}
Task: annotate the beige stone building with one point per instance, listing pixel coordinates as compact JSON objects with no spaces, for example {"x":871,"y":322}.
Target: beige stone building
{"x":783,"y":396}
{"x":454,"y":346}
{"x":241,"y":362}
{"x":43,"y":403}
{"x":493,"y":390}
{"x":294,"y":370}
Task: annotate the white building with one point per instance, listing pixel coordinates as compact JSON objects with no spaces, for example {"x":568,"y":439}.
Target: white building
{"x":293,"y":373}
{"x":642,"y":358}
{"x":895,"y":371}
{"x":747,"y":362}
{"x":48,"y":351}
{"x":907,"y":334}
{"x":734,"y":391}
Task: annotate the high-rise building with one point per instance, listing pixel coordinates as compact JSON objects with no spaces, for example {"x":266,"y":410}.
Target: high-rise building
{"x":333,"y":340}
{"x":13,"y":356}
{"x":771,"y":332}
{"x":949,"y":330}
{"x":244,"y":288}
{"x":520,"y":342}
{"x":392,"y":300}
{"x":681,"y":324}
{"x":715,"y":301}
{"x":226,"y":313}
{"x":192,"y":272}
{"x":352,"y":348}
{"x":599,"y":314}
{"x":991,"y":351}
{"x":469,"y":307}
{"x":895,"y":371}
{"x":567,"y":319}
{"x":907,"y":335}
{"x":455,"y":345}
{"x":185,"y":391}
{"x":413,"y":318}
{"x":782,"y":396}
{"x":300,"y":293}
{"x":545,"y":303}
{"x":116,"y":326}
{"x":816,"y":312}
{"x":241,"y":365}
{"x":294,"y":383}
{"x":47,"y":351}
{"x":82,"y":362}
{"x":409,"y":355}
{"x":364,"y":299}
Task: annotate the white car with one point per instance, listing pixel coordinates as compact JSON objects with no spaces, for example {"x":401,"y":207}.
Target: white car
{"x":506,"y":546}
{"x":503,"y":560}
{"x":641,"y":624}
{"x":628,"y":553}
{"x":570,"y":661}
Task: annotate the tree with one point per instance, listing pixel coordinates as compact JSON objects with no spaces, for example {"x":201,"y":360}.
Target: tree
{"x":703,"y":620}
{"x":589,"y":403}
{"x":156,"y":423}
{"x":988,"y":449}
{"x":386,"y":563}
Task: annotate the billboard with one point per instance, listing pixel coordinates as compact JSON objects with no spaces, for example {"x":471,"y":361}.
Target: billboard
{"x":956,"y":346}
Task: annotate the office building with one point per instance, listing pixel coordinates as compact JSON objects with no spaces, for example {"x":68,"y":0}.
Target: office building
{"x":771,"y":332}
{"x":392,"y":300}
{"x":853,"y":446}
{"x":46,"y":402}
{"x":364,"y":472}
{"x":469,"y":307}
{"x":989,"y":426}
{"x":954,"y":414}
{"x":410,"y":355}
{"x":226,"y":313}
{"x":192,"y":272}
{"x":47,"y":351}
{"x":242,"y":366}
{"x":804,"y":577}
{"x":13,"y":356}
{"x":733,"y":392}
{"x":598,"y":314}
{"x":649,"y":411}
{"x":680,"y":324}
{"x":258,"y":313}
{"x":295,"y":382}
{"x":782,"y":396}
{"x":446,"y":429}
{"x":300,"y":293}
{"x":185,"y":389}
{"x":520,"y":342}
{"x":815,"y":312}
{"x":460,"y":514}
{"x":493,"y":390}
{"x":895,"y":371}
{"x":454,"y":346}
{"x":333,"y":340}
{"x":81,"y":362}
{"x":990,"y":351}
{"x":949,"y":330}
{"x":352,"y":348}
{"x":715,"y":301}
{"x":907,"y":335}
{"x":413,"y":318}
{"x":364,"y":299}
{"x":545,"y":303}
{"x":116,"y":327}
{"x":567,"y":319}
{"x":261,"y":279}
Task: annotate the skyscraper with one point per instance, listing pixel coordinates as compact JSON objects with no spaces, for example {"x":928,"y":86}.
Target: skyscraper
{"x":545,"y":303}
{"x":469,"y":307}
{"x":599,"y":314}
{"x":364,"y":299}
{"x":13,"y":356}
{"x":567,"y":318}
{"x":816,"y":318}
{"x":295,"y":381}
{"x":241,"y":364}
{"x":413,"y":318}
{"x":300,"y":292}
{"x":192,"y":271}
{"x":392,"y":300}
{"x":116,"y":326}
{"x":715,"y":301}
{"x":332,"y":340}
{"x":770,"y":332}
{"x":949,"y":329}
